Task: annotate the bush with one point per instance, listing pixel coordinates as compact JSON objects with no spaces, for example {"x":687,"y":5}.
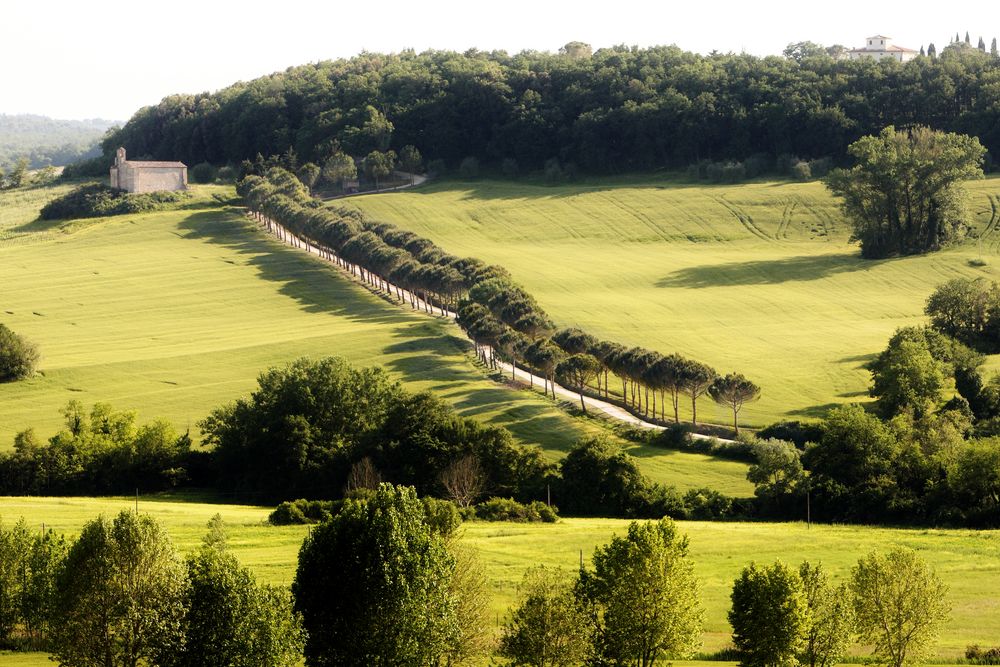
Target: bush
{"x":203,"y":172}
{"x":441,"y":515}
{"x":97,"y":167}
{"x":707,"y":504}
{"x":18,"y":356}
{"x":793,"y":431}
{"x":801,"y":171}
{"x":96,"y":200}
{"x":508,"y":509}
{"x":978,"y":656}
{"x":301,"y":511}
{"x":469,"y":168}
{"x":226,"y":174}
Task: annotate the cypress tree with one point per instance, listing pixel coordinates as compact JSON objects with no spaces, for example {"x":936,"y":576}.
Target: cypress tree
{"x":931,"y":51}
{"x":922,"y":50}
{"x":993,"y":48}
{"x":967,"y":40}
{"x":982,"y":45}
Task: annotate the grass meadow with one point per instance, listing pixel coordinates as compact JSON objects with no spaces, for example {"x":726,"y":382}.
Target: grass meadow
{"x":759,"y":278}
{"x":174,"y":313}
{"x":967,"y":560}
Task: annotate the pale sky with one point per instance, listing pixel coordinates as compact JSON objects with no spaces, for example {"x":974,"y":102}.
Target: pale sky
{"x":81,"y":59}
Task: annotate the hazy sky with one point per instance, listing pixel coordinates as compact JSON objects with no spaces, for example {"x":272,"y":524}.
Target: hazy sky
{"x":80,"y":59}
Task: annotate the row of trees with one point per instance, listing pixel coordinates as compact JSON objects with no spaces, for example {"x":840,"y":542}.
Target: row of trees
{"x":619,"y":108}
{"x":120,"y":595}
{"x":498,"y":315}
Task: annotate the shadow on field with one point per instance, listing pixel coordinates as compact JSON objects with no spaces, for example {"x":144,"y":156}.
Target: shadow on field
{"x":315,"y":285}
{"x":815,"y":411}
{"x":768,"y":272}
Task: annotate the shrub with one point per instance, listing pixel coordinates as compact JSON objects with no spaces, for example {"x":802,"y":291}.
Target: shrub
{"x":203,"y":172}
{"x":801,"y":171}
{"x":226,"y":174}
{"x":441,"y":515}
{"x":469,"y":168}
{"x":97,"y":200}
{"x":303,"y":511}
{"x":707,"y":504}
{"x":794,"y":431}
{"x":508,"y":509}
{"x":18,"y":356}
{"x":977,"y":656}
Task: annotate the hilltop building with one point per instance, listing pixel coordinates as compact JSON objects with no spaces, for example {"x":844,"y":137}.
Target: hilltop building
{"x":138,"y":176}
{"x":878,"y":47}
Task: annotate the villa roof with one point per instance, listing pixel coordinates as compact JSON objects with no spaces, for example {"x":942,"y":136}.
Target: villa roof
{"x":891,"y":48}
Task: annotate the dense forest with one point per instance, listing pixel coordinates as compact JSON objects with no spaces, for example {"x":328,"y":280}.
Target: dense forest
{"x":47,"y":141}
{"x":616,"y":109}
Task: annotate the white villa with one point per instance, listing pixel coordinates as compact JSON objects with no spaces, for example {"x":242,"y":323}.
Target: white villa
{"x":878,"y":47}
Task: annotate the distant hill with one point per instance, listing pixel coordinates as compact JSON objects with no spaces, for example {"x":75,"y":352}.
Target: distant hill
{"x":48,"y":141}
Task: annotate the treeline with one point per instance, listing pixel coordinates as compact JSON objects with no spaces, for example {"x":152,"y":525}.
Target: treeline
{"x":620,"y":108}
{"x":500,"y":317}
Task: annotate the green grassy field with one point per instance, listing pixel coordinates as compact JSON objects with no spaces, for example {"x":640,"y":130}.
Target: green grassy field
{"x":758,"y":278}
{"x":174,"y":313}
{"x":966,"y":560}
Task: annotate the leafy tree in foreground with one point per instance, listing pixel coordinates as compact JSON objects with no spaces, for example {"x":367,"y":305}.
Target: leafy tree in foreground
{"x":644,"y":595}
{"x":14,"y":544}
{"x":968,"y":309}
{"x":831,"y":618}
{"x":904,"y":194}
{"x":18,"y":356}
{"x":549,"y":627}
{"x":120,"y":596}
{"x":373,"y":585}
{"x":733,"y":391}
{"x":769,"y":615}
{"x":472,"y":597}
{"x":899,"y":604}
{"x":230,"y":619}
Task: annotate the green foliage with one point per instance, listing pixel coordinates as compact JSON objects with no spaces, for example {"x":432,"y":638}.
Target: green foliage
{"x":230,"y":619}
{"x":96,"y":200}
{"x":103,"y":451}
{"x":338,"y":168}
{"x":508,"y":509}
{"x":203,"y":172}
{"x":777,"y":471}
{"x":904,"y":196}
{"x":378,"y":165}
{"x":967,"y":309}
{"x":549,"y":627}
{"x":900,"y":605}
{"x":831,"y":618}
{"x":644,"y":595}
{"x":301,"y":511}
{"x":770,"y":616}
{"x":373,"y":585}
{"x":18,"y":356}
{"x":469,"y":168}
{"x":733,"y":391}
{"x":120,"y":595}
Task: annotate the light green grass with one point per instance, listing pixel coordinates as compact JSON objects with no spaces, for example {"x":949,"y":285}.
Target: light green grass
{"x":965,"y":559}
{"x":757,"y":278}
{"x":176,"y":312}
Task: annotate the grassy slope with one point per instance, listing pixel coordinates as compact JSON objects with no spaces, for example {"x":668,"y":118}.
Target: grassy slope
{"x":965,"y":559}
{"x":759,"y":277}
{"x":174,"y":313}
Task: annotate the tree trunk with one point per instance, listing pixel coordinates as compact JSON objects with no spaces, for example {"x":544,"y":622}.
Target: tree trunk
{"x":694,"y":410}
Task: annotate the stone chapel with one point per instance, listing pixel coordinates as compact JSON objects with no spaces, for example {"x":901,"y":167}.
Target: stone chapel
{"x":142,"y":176}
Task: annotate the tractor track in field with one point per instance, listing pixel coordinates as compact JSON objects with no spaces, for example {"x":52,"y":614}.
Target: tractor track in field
{"x":745,"y":219}
{"x":786,"y":220}
{"x":990,"y":231}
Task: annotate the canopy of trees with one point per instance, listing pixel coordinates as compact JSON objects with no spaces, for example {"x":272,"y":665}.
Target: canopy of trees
{"x":904,"y":194}
{"x":620,"y":108}
{"x":18,"y":356}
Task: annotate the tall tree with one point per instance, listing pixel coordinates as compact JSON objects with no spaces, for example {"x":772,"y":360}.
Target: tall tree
{"x":373,"y":585}
{"x":831,"y":618}
{"x":900,"y":606}
{"x":549,"y":627}
{"x":338,"y":168}
{"x":697,"y":378}
{"x":645,"y":596}
{"x":378,"y":165}
{"x":733,"y":391}
{"x":769,"y":615}
{"x":120,"y":596}
{"x":410,"y":160}
{"x":904,"y":194}
{"x":577,"y":371}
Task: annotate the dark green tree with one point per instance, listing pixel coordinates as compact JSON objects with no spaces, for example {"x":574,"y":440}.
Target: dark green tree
{"x":733,"y":391}
{"x":577,"y":371}
{"x":373,"y":585}
{"x":904,"y":194}
{"x":769,"y":615}
{"x":18,"y":356}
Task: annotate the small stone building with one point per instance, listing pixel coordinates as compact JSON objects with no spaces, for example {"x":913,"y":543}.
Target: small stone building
{"x":878,"y":47}
{"x":133,"y":176}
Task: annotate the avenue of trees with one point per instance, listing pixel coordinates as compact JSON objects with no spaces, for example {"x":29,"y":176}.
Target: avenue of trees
{"x":903,"y":196}
{"x":500,"y":317}
{"x":614,"y":109}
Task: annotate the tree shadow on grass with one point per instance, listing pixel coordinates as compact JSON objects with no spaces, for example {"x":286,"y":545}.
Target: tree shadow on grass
{"x":316,"y":285}
{"x":768,"y":272}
